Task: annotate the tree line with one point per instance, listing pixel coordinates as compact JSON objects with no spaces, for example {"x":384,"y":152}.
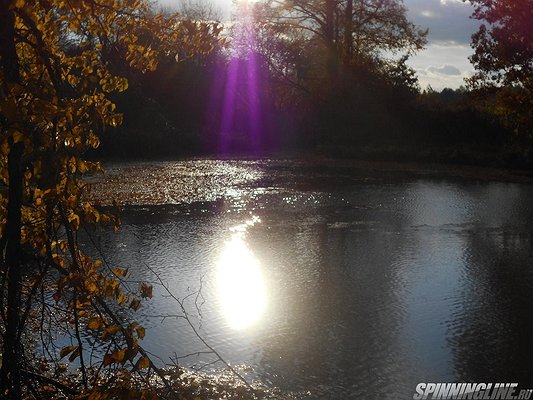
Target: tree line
{"x":334,"y":77}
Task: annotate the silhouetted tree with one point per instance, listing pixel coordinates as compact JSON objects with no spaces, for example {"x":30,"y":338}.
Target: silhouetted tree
{"x":343,"y":34}
{"x":503,"y":59}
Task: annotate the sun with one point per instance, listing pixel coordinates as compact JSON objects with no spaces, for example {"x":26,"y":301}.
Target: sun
{"x":240,"y":283}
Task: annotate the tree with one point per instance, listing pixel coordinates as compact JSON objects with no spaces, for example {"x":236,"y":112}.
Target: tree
{"x":200,"y":10}
{"x":57,"y":76}
{"x":346,"y":34}
{"x":503,"y":59}
{"x":341,"y":62}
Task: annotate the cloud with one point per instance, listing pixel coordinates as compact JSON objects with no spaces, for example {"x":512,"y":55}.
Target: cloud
{"x":447,"y":20}
{"x":445,"y":70}
{"x":448,"y":2}
{"x":429,"y":14}
{"x":439,"y":63}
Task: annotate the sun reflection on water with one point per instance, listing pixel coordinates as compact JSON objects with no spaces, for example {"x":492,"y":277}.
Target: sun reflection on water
{"x":240,"y":282}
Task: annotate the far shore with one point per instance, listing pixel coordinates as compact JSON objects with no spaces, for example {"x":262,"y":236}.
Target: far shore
{"x":443,"y":170}
{"x":158,"y":182}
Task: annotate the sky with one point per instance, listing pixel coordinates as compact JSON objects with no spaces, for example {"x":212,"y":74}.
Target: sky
{"x":444,"y":62}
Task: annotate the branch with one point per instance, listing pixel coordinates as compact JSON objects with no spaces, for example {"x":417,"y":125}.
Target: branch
{"x":50,"y":381}
{"x":195,"y":331}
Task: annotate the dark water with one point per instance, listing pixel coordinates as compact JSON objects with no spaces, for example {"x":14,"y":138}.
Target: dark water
{"x":333,"y":282}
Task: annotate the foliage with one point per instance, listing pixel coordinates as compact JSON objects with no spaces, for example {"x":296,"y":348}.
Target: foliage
{"x":372,"y":101}
{"x":58,"y":76}
{"x":504,"y":60}
{"x":330,"y":38}
{"x":332,"y":66}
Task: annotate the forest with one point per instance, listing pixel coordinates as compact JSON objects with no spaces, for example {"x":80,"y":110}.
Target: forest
{"x":339,"y":87}
{"x":88,"y":80}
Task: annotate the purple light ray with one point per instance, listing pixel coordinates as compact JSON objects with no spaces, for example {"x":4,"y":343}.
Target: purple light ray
{"x":247,"y":74}
{"x":254,"y":117}
{"x":228,"y":111}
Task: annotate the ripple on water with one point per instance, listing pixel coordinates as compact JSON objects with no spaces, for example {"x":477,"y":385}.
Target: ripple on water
{"x":373,"y":286}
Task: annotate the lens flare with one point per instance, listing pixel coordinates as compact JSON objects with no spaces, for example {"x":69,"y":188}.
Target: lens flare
{"x":241,"y":116}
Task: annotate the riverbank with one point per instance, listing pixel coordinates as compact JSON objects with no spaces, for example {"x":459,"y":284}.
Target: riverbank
{"x":442,"y":170}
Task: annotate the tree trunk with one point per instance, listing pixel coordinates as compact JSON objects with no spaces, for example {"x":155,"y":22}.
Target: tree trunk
{"x":331,"y":62}
{"x":10,"y":376}
{"x":348,"y":30}
{"x":10,"y":386}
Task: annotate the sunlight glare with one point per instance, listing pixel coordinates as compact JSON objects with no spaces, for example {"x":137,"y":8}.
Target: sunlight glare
{"x":240,"y":282}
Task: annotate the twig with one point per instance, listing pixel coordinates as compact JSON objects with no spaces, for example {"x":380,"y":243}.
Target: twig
{"x":195,"y":331}
{"x":50,"y":381}
{"x":78,"y":339}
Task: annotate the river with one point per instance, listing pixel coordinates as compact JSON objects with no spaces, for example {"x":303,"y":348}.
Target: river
{"x":327,"y":280}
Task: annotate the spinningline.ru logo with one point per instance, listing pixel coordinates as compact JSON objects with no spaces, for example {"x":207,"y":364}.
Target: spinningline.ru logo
{"x":476,"y":391}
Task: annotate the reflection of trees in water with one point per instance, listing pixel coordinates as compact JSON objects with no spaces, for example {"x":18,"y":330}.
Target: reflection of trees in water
{"x":344,"y":312}
{"x":492,"y":338}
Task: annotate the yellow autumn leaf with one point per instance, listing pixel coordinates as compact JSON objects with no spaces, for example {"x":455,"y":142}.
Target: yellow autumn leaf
{"x":140,"y":332}
{"x":111,"y":330}
{"x":118,"y":355}
{"x":121,"y":298}
{"x":82,"y":166}
{"x":146,"y":290}
{"x":90,"y":286}
{"x":74,"y":354}
{"x":94,"y":323}
{"x":74,"y":220}
{"x":66,"y":350}
{"x":135,"y":304}
{"x":144,"y":362}
{"x":18,"y":136}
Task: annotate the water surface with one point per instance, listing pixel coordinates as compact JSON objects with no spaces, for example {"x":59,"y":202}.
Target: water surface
{"x":329,"y":281}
